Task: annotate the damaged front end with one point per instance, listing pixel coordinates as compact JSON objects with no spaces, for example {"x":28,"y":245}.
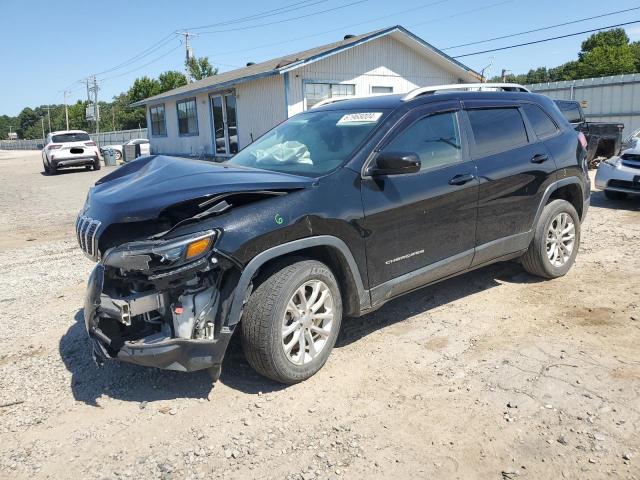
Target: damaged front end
{"x":161,"y":293}
{"x":157,"y":303}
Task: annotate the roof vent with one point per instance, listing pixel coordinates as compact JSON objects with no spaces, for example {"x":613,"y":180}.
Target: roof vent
{"x":250,"y":63}
{"x":348,"y":36}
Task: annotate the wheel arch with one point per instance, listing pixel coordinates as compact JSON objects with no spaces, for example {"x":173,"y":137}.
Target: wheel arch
{"x":325,"y":248}
{"x":569,"y":189}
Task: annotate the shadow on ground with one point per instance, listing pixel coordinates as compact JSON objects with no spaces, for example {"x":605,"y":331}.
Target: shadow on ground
{"x":136,"y":384}
{"x":631,"y":203}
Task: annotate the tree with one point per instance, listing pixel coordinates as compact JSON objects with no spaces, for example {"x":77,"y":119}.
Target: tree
{"x":609,"y":38}
{"x":603,"y":53}
{"x":200,"y":68}
{"x":170,"y":80}
{"x":143,"y":87}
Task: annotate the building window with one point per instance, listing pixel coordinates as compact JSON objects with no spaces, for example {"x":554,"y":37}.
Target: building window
{"x":158,"y":125}
{"x":381,"y":89}
{"x":316,"y":92}
{"x":187,"y":117}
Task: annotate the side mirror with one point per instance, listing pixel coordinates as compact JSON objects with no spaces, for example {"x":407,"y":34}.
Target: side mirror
{"x":395,"y":163}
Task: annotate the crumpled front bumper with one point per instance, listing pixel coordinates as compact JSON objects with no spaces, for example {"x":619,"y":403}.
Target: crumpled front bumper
{"x":153,"y":351}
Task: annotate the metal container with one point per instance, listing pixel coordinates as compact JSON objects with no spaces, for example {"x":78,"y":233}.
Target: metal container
{"x":109,"y":157}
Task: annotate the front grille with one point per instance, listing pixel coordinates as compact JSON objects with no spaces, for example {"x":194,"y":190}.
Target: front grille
{"x":630,"y":156}
{"x":86,"y":230}
{"x":631,"y":164}
{"x":624,"y":184}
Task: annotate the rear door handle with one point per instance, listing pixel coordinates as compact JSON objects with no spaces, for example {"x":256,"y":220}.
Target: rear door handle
{"x":539,"y":158}
{"x":461,"y":179}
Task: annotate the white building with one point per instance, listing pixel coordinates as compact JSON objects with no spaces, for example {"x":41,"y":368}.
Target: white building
{"x":220,"y":114}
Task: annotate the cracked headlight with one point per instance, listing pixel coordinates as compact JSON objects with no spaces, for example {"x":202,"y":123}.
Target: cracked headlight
{"x":160,"y":254}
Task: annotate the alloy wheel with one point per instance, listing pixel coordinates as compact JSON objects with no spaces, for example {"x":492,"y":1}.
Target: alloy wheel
{"x":560,"y":239}
{"x":307,"y":322}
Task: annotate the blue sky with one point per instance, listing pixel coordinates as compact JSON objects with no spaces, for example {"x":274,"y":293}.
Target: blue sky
{"x":46,"y":46}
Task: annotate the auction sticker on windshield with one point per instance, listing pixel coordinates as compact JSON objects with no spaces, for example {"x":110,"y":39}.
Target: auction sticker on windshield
{"x":362,"y":117}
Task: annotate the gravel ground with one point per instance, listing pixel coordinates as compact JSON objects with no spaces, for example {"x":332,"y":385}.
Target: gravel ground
{"x":492,"y":375}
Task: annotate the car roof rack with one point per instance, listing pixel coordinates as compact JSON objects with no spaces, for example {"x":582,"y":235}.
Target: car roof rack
{"x":329,"y":100}
{"x":473,"y":87}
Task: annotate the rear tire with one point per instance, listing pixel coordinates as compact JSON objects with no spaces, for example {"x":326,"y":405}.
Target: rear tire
{"x":96,"y":164}
{"x":615,"y":195}
{"x":291,"y":321}
{"x":555,"y":241}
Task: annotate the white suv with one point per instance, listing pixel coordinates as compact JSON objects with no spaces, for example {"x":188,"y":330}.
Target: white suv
{"x":69,"y":148}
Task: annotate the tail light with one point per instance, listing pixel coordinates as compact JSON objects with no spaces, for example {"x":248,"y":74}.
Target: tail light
{"x":53,"y":146}
{"x":582,"y":139}
{"x":90,"y":144}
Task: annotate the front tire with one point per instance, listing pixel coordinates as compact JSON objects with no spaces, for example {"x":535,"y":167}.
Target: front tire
{"x":555,"y":241}
{"x":615,"y":195}
{"x":291,"y":321}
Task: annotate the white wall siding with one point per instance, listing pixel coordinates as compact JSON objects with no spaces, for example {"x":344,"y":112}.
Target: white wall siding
{"x":261,"y":106}
{"x":385,"y":62}
{"x":200,"y":144}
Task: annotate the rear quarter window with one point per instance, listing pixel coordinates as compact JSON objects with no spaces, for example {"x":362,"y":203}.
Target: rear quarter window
{"x":540,"y":121}
{"x":497,"y":130}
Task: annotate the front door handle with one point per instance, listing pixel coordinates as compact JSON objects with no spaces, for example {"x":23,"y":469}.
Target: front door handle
{"x":539,"y":158}
{"x":461,"y":179}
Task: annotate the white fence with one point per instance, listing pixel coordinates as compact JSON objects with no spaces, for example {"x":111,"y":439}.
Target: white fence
{"x":103,"y":138}
{"x":604,"y":99}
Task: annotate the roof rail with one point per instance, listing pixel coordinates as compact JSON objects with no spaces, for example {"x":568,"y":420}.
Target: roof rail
{"x":329,"y":100}
{"x":473,"y":87}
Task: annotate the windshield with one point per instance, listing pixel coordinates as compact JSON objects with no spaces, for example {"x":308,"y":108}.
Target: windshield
{"x":310,"y":144}
{"x":70,"y":137}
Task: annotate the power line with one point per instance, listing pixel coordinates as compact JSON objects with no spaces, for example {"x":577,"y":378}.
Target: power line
{"x":547,"y":39}
{"x":465,"y":12}
{"x":142,"y":66}
{"x":304,"y":37}
{"x":542,"y":28}
{"x":153,"y":48}
{"x":284,"y":20}
{"x":264,"y":14}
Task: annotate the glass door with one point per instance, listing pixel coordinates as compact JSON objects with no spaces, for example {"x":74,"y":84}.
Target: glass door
{"x":225,"y":125}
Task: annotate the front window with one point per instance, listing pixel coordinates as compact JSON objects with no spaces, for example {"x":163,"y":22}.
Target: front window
{"x":158,"y":125}
{"x":435,"y":139}
{"x":312,"y":143}
{"x":316,"y":92}
{"x":187,"y":117}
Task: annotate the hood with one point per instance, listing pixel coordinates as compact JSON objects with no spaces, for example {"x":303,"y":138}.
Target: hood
{"x":141,"y":189}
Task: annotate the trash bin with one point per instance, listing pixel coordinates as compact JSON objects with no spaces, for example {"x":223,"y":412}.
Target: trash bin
{"x":109,"y":157}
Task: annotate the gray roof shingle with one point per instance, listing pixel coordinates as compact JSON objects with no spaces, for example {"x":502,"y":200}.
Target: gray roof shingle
{"x":275,"y":65}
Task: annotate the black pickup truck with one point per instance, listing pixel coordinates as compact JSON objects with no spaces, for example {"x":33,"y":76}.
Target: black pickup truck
{"x":603,"y":138}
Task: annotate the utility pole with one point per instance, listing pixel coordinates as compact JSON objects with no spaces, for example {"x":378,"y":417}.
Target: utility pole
{"x":92,"y":87}
{"x":188,"y":52}
{"x":66,"y":108}
{"x":43,"y":135}
{"x":49,"y":117}
{"x":504,"y":74}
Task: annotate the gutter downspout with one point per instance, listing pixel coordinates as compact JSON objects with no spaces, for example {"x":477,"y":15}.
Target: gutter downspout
{"x":286,"y":94}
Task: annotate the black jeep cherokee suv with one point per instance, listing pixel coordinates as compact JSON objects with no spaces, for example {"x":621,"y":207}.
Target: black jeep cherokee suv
{"x":330,"y":214}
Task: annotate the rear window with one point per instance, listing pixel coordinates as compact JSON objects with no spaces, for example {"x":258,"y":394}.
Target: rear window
{"x":570,"y":110}
{"x":70,"y":137}
{"x":540,"y":121}
{"x":497,"y":129}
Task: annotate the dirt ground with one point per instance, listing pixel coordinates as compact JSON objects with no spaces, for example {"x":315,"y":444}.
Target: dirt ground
{"x":491,"y":375}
